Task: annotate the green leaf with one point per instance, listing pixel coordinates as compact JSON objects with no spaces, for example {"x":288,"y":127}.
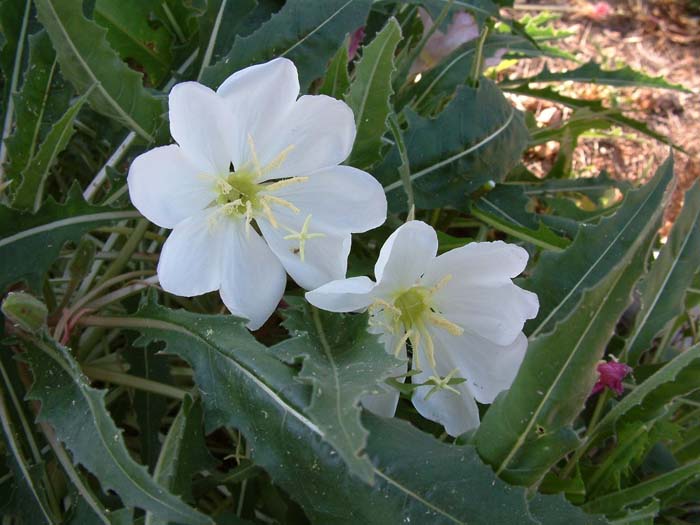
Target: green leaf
{"x":676,"y":378}
{"x":455,"y":153}
{"x":337,"y":81}
{"x":662,"y":292}
{"x":14,"y":19}
{"x":595,"y":108}
{"x":219,"y":25}
{"x":183,"y":453}
{"x":370,"y":94}
{"x":592,"y":72}
{"x":41,"y":101}
{"x":617,"y":501}
{"x":307,"y":32}
{"x":594,"y":252}
{"x":131,"y":32}
{"x":78,"y":415}
{"x":418,"y":479}
{"x":30,"y":193}
{"x":527,"y":429}
{"x":341,"y":361}
{"x":88,"y":62}
{"x":29,"y":243}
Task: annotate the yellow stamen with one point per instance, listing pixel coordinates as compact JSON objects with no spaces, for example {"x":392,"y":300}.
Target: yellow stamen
{"x":446,"y":325}
{"x":278,"y":160}
{"x":254,"y":156}
{"x":281,"y":202}
{"x":302,"y":236}
{"x":440,"y":284}
{"x":268,"y":213}
{"x":285,"y":182}
{"x":402,"y":342}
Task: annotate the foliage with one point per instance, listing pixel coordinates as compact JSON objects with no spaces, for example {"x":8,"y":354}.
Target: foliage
{"x":120,"y":403}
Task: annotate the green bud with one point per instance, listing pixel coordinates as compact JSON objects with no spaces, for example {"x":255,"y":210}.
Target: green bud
{"x":81,"y":261}
{"x":25,"y":310}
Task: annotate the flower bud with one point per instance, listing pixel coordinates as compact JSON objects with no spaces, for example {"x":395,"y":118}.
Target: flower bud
{"x":25,"y":311}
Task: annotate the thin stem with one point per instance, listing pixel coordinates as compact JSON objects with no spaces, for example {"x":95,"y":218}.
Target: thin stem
{"x":405,"y":167}
{"x":140,"y":383}
{"x":125,"y":253}
{"x":478,"y":63}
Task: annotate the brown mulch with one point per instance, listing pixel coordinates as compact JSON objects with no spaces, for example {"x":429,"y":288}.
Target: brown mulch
{"x":658,"y":37}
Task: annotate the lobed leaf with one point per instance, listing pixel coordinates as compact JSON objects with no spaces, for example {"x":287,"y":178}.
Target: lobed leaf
{"x":337,"y":81}
{"x":80,"y":419}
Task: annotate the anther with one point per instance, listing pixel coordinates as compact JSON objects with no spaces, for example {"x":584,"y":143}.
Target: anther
{"x":446,"y":325}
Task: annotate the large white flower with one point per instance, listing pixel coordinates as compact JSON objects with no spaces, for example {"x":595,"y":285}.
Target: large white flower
{"x":461,"y":313}
{"x":253,"y":188}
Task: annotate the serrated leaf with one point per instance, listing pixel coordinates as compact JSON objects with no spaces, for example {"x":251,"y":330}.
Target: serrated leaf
{"x":555,"y":379}
{"x":370,"y":94}
{"x":183,"y":453}
{"x":337,"y":81}
{"x":30,"y":192}
{"x":594,"y":107}
{"x":88,"y":62}
{"x":29,"y":243}
{"x":342,"y":361}
{"x":593,"y":73}
{"x":662,"y":292}
{"x":41,"y":101}
{"x":79,"y":417}
{"x":418,"y":479}
{"x":132,"y":34}
{"x":455,"y":153}
{"x":307,"y":32}
{"x":594,"y":252}
{"x":676,"y":378}
{"x":618,"y":501}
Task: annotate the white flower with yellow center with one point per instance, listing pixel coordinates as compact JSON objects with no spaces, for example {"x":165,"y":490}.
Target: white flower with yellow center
{"x":252,"y":188}
{"x":460,"y":312}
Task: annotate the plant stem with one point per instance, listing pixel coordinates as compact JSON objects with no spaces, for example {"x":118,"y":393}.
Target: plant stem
{"x":140,"y":383}
{"x":125,"y":253}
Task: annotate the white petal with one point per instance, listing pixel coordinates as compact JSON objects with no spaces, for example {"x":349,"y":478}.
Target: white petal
{"x":406,"y":255}
{"x":458,"y":413}
{"x":320,"y":131}
{"x":166,"y":188}
{"x":190,"y":262}
{"x":343,"y":198}
{"x":480,"y":263}
{"x":488,"y":368}
{"x":496,"y":312}
{"x":253,"y":280}
{"x":344,"y":295}
{"x":199,"y":123}
{"x":325,"y":258}
{"x":258,"y":98}
{"x":384,"y":401}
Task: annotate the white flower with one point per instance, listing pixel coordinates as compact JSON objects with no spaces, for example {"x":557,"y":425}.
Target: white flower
{"x":460,"y":311}
{"x":253,"y":188}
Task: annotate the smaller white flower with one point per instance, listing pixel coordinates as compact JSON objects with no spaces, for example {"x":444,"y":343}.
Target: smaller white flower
{"x":253,"y":188}
{"x":461,"y":313}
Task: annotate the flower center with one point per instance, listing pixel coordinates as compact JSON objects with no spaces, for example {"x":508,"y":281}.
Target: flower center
{"x":409,"y":314}
{"x":241,"y":194}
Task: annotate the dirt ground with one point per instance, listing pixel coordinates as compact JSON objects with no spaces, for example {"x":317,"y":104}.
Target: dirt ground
{"x":659,"y":37}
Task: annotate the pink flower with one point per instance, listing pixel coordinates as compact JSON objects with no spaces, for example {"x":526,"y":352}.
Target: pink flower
{"x":461,"y":30}
{"x":610,"y":375}
{"x":598,"y":11}
{"x":355,"y":40}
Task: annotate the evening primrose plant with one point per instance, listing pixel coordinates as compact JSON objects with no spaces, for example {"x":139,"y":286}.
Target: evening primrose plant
{"x":285,"y":262}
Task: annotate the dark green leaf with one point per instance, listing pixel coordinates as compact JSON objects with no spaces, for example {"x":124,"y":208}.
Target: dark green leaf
{"x":342,"y":361}
{"x":30,"y":193}
{"x":337,"y":81}
{"x":89,"y":63}
{"x":370,"y":94}
{"x":131,"y":32}
{"x":306,"y":31}
{"x":594,"y":252}
{"x":662,"y":292}
{"x":29,"y":243}
{"x":455,"y":153}
{"x":78,"y":415}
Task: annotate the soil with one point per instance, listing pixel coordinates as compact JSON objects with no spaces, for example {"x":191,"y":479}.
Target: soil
{"x":658,"y":37}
